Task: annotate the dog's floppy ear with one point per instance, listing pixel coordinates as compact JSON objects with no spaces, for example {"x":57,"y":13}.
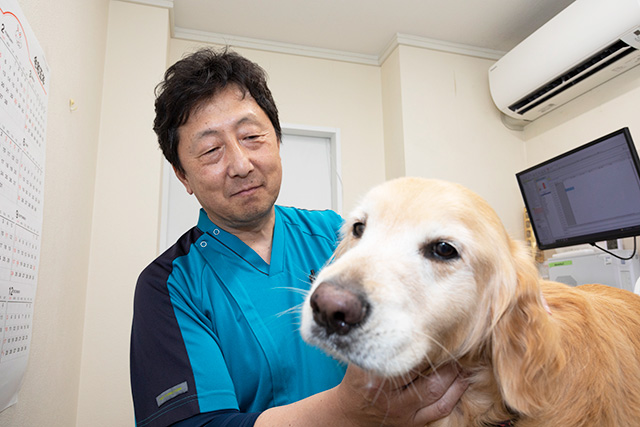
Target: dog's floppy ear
{"x":525,"y":346}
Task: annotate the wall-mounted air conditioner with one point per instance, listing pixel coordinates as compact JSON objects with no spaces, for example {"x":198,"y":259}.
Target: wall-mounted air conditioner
{"x":588,"y":43}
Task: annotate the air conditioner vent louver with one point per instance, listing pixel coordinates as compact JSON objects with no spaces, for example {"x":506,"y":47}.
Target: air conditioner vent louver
{"x":585,"y":45}
{"x":595,"y":63}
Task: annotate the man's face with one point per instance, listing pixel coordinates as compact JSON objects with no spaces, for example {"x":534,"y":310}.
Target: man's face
{"x":231,"y":159}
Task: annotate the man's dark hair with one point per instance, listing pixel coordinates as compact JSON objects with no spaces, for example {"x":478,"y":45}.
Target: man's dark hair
{"x":197,"y":78}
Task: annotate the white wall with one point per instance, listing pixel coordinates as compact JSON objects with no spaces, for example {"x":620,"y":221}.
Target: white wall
{"x":72,"y":34}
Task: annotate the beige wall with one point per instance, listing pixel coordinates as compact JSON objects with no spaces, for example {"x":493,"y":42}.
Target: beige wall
{"x":126,"y":208}
{"x":72,"y":34}
{"x":421,"y":113}
{"x":607,"y":108}
{"x":453,"y":131}
{"x":392,"y":116}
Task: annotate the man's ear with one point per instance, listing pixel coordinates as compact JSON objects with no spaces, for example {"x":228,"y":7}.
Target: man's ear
{"x":183,"y":179}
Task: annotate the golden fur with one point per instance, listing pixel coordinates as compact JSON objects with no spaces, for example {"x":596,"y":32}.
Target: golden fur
{"x":576,"y":366}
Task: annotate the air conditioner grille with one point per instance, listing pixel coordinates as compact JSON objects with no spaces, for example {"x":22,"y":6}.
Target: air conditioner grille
{"x":602,"y":59}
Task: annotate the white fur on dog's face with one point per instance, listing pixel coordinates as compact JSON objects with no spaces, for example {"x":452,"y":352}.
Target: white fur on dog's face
{"x":421,"y":305}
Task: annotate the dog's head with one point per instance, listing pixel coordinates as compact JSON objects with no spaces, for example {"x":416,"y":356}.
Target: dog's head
{"x":423,"y":271}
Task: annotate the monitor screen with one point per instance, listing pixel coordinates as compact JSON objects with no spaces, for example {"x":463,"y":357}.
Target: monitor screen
{"x":587,"y":195}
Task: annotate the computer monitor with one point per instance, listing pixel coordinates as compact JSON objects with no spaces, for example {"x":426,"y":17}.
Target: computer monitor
{"x":587,"y":195}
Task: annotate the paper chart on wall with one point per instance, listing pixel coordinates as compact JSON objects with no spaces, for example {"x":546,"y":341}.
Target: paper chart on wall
{"x":24,"y":85}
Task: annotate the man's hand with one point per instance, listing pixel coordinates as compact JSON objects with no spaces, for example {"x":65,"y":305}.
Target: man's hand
{"x":367,"y":400}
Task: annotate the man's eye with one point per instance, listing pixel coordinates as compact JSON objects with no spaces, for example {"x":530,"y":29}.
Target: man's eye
{"x":210,"y":155}
{"x":256,"y":137}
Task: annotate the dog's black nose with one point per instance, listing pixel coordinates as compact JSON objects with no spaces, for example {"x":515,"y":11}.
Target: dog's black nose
{"x":337,"y":309}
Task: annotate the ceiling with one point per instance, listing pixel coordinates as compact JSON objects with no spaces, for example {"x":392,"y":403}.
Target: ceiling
{"x":360,"y":27}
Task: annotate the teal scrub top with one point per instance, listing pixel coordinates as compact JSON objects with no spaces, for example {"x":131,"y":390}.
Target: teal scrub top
{"x":234,"y":340}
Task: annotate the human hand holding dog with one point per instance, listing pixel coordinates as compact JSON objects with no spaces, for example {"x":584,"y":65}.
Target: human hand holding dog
{"x":364,"y":400}
{"x":367,"y":400}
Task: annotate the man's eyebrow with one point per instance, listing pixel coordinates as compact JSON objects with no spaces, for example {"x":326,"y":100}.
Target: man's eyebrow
{"x":248,"y":119}
{"x":206,"y":133}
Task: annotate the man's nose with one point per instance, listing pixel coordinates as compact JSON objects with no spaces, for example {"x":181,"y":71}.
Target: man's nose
{"x":240,"y":163}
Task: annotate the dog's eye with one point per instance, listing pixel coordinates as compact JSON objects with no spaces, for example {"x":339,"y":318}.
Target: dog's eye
{"x":358,"y":229}
{"x":441,"y":250}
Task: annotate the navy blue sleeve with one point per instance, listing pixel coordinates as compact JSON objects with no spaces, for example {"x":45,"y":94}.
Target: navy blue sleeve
{"x":161,"y":396}
{"x":227,"y":418}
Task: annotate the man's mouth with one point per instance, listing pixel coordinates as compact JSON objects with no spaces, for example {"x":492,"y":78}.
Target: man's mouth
{"x":245,"y":191}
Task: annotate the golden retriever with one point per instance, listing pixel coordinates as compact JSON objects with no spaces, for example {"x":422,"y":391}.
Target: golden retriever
{"x":426,"y":274}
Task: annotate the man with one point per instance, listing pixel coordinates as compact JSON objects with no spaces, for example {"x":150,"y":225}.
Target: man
{"x":214,"y":337}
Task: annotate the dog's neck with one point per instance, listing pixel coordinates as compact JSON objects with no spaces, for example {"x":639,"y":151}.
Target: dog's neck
{"x":482,"y":403}
{"x":501,"y":364}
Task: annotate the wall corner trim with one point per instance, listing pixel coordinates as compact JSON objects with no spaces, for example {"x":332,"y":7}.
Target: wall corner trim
{"x":439,"y":45}
{"x":168,"y":4}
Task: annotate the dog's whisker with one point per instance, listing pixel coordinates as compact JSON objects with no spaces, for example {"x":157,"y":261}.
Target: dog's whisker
{"x":303,"y":292}
{"x":296,"y":309}
{"x":379,"y":392}
{"x":450,"y":355}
